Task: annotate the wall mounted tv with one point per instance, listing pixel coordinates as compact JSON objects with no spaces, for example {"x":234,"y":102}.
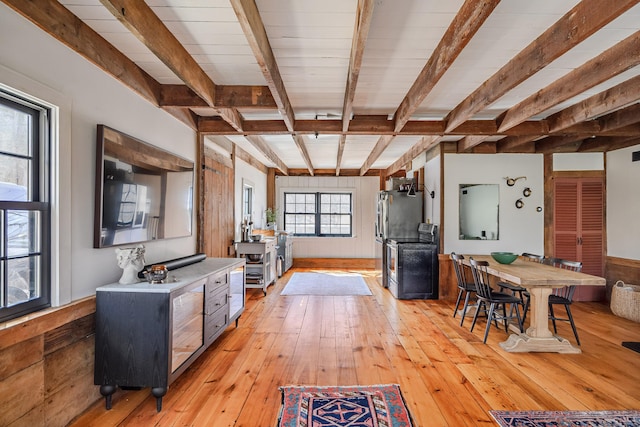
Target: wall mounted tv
{"x":143,"y":193}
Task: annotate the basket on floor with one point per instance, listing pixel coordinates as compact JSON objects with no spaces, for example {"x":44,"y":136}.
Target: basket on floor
{"x":625,"y":301}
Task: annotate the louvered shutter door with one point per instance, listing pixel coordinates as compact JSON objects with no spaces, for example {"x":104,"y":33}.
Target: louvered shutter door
{"x":591,"y":218}
{"x":565,"y":216}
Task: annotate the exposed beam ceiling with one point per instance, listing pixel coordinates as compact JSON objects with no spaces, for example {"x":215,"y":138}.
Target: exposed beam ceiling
{"x":375,"y":81}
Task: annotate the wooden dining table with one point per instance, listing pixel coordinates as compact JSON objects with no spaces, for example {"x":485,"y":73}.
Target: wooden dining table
{"x":540,"y":280}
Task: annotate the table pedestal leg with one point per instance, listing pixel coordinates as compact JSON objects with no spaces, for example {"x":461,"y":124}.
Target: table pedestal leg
{"x":538,"y":337}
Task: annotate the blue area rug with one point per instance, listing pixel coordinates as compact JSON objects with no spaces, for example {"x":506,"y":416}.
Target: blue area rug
{"x":326,"y":284}
{"x":343,"y":406}
{"x":567,"y":418}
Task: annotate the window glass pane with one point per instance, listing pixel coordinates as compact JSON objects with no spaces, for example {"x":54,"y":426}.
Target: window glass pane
{"x":15,"y":131}
{"x":24,"y":276}
{"x":23,"y":232}
{"x":14,"y":179}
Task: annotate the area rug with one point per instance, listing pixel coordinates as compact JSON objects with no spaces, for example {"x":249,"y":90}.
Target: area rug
{"x":567,"y":418}
{"x":340,"y":406}
{"x":632,"y":345}
{"x":326,"y":284}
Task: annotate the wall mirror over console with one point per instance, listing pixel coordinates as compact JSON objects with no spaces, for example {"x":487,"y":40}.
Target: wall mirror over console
{"x":142,"y":192}
{"x":479,"y":207}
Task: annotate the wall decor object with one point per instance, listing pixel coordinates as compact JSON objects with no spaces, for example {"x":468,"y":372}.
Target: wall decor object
{"x":519,"y":204}
{"x":526,"y":192}
{"x":512,"y":181}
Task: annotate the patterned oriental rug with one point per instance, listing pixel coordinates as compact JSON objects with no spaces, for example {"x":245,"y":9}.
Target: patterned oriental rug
{"x":567,"y":418}
{"x":352,"y":406}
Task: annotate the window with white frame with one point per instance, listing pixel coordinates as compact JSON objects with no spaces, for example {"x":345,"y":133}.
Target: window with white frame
{"x":318,"y":214}
{"x":24,"y":206}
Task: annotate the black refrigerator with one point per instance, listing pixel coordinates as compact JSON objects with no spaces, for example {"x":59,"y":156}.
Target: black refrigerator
{"x":398,"y":216}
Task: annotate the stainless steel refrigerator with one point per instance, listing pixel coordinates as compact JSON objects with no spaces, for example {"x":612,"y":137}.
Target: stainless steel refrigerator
{"x":398,"y":216}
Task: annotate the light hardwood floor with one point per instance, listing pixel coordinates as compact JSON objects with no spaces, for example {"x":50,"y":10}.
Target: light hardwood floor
{"x":448,"y":377}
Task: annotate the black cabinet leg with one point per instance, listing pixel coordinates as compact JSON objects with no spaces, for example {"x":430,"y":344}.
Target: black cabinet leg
{"x":107,"y":391}
{"x":158,"y":392}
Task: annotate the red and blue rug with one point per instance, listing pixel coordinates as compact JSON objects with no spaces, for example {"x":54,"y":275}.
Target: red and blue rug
{"x":343,"y":406}
{"x":567,"y":418}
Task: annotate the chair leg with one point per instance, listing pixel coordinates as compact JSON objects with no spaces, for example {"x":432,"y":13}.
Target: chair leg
{"x":573,"y":325}
{"x":505,"y":319}
{"x":553,"y":318}
{"x":490,"y":316}
{"x":475,"y":316}
{"x":465,"y":306}
{"x":455,"y":309}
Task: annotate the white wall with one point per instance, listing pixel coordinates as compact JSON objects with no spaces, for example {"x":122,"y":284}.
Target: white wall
{"x":41,"y":66}
{"x":432,"y":182}
{"x":361,"y":245}
{"x":623,"y":204}
{"x":244,"y":171}
{"x":521,"y":230}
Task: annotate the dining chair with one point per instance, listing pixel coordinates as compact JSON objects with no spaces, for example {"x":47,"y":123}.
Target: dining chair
{"x":563,"y":296}
{"x":464,"y":286}
{"x":495,"y":300}
{"x":521,"y":291}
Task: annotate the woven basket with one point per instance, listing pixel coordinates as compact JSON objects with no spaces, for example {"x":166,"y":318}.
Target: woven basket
{"x":625,"y":301}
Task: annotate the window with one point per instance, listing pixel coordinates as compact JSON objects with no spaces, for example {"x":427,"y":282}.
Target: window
{"x":318,"y":214}
{"x":24,"y":207}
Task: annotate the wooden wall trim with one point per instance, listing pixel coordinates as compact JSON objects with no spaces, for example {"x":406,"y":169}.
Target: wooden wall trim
{"x":27,"y":327}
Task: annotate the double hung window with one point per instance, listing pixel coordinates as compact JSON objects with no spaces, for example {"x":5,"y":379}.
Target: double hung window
{"x":24,"y":207}
{"x":319,"y":214}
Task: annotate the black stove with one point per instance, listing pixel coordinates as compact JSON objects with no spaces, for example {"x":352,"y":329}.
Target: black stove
{"x":412,"y":267}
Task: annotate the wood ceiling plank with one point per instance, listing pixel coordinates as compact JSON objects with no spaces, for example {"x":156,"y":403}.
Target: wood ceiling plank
{"x":603,"y":102}
{"x":299,"y":140}
{"x":264,"y":148}
{"x":364,"y":13}
{"x":149,"y":29}
{"x":464,"y":26}
{"x":559,"y":144}
{"x":620,"y":118}
{"x":60,"y":23}
{"x":619,"y":58}
{"x":253,"y":27}
{"x":425,"y":144}
{"x":509,"y":143}
{"x":608,"y":143}
{"x":574,"y":27}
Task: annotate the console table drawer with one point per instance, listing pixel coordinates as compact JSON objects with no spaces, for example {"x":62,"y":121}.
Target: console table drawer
{"x":216,"y":301}
{"x":215,"y":324}
{"x":217,"y":280}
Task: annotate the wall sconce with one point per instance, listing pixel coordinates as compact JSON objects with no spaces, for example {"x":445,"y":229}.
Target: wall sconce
{"x":412,"y":192}
{"x":512,"y":181}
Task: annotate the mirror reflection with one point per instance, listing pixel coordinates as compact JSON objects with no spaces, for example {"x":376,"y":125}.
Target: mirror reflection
{"x":479,"y":205}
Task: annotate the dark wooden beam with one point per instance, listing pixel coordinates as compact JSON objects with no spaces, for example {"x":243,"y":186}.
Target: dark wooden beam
{"x":56,"y":20}
{"x":341,"y":143}
{"x":262,"y":146}
{"x":470,"y":141}
{"x":253,"y":27}
{"x":425,"y":144}
{"x":299,"y":140}
{"x":464,"y":26}
{"x":621,"y":57}
{"x":378,"y":149}
{"x":575,"y":26}
{"x":596,"y":105}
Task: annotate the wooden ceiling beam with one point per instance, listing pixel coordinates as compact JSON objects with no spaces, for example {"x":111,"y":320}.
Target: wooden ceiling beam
{"x":470,"y":141}
{"x":510,"y":143}
{"x":341,"y":144}
{"x":150,"y":30}
{"x":464,"y":26}
{"x":364,"y":13}
{"x":262,"y":146}
{"x":253,"y":27}
{"x":575,"y":26}
{"x":299,"y":140}
{"x":607,"y":143}
{"x":378,"y":149}
{"x":559,"y":144}
{"x":619,"y":58}
{"x":425,"y":144}
{"x":56,"y":20}
{"x":596,"y":105}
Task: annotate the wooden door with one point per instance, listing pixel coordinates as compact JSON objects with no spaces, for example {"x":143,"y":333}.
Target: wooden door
{"x":218,"y":222}
{"x":579,"y":227}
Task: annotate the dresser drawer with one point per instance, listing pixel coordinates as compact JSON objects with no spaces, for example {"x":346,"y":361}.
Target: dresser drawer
{"x":214,"y":325}
{"x":216,"y":281}
{"x":216,"y":301}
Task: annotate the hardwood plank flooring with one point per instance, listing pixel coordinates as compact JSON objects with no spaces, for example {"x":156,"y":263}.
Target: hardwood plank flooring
{"x":447,"y":375}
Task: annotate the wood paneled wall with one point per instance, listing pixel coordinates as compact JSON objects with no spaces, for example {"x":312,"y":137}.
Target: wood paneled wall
{"x":46,"y":366}
{"x":216,"y":235}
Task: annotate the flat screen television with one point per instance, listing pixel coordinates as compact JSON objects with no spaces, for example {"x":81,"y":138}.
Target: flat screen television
{"x":143,"y":193}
